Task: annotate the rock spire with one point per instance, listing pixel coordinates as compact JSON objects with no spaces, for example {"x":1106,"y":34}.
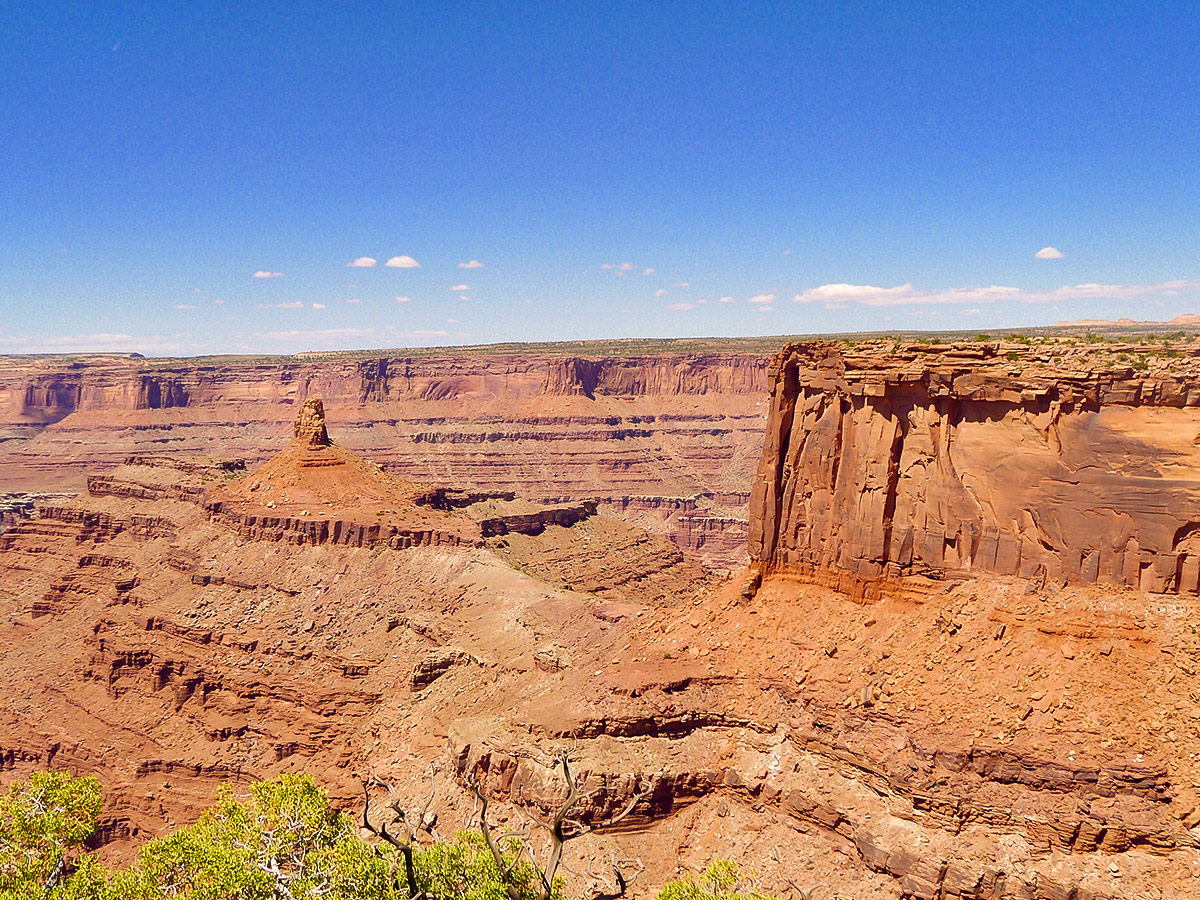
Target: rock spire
{"x":310,"y":425}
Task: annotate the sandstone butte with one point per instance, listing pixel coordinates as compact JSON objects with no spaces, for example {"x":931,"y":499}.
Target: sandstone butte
{"x":958,"y":660}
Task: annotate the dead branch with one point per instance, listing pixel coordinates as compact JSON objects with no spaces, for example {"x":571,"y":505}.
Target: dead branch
{"x":505,"y":868}
{"x":560,"y":828}
{"x":411,"y":823}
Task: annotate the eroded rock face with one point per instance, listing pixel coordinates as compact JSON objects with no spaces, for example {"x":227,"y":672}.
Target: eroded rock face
{"x":310,"y":425}
{"x":659,"y":428}
{"x":950,"y":463}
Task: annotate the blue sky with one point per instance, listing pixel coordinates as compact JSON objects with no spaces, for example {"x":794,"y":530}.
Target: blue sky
{"x":191,"y":178}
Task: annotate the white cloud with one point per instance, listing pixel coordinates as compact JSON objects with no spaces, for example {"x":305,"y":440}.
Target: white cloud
{"x":647,"y":271}
{"x":353,"y":300}
{"x":766,"y":309}
{"x":1049,"y":253}
{"x":907,"y":295}
{"x":218,"y":301}
{"x":404,"y":299}
{"x":624,"y":268}
{"x":295,"y":304}
{"x":318,"y":306}
{"x":186,"y":306}
{"x":363,"y":262}
{"x":459,"y":287}
{"x":263,"y":273}
{"x":761,"y":298}
{"x":701,"y":300}
{"x":660,"y":293}
{"x":725,"y":300}
{"x":473,"y":264}
{"x":400,"y":262}
{"x":853,"y":293}
{"x":463,"y":297}
{"x":681,"y":284}
{"x":681,"y":306}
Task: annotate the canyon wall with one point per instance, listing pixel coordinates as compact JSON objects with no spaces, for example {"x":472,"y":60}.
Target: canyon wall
{"x":944,"y":460}
{"x":667,"y":440}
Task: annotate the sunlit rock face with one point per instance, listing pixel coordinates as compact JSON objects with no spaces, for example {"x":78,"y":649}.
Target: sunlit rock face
{"x":951,"y":462}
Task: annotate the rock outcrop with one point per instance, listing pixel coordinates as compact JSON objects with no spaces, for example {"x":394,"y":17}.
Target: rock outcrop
{"x":309,"y":430}
{"x":952,"y":461}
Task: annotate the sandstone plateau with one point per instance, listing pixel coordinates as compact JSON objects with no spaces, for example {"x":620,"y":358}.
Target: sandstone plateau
{"x":961,"y":661}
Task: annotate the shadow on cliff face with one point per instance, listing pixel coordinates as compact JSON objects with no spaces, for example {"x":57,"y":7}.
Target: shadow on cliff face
{"x":954,"y":467}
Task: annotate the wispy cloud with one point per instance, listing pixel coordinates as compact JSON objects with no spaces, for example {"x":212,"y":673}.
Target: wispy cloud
{"x":473,"y":264}
{"x":660,"y":293}
{"x":681,"y":306}
{"x":458,"y":288}
{"x":318,"y":306}
{"x":907,"y":295}
{"x":761,"y":298}
{"x":404,"y":299}
{"x":363,"y":262}
{"x":626,"y":267}
{"x":295,"y":304}
{"x":353,"y":300}
{"x":725,"y":300}
{"x":336,"y":336}
{"x":400,"y":262}
{"x":186,"y":306}
{"x":263,"y":273}
{"x":1049,"y":253}
{"x":101,"y":342}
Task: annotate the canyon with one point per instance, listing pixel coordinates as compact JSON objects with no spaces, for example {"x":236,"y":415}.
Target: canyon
{"x":668,"y":440}
{"x":933,"y":636}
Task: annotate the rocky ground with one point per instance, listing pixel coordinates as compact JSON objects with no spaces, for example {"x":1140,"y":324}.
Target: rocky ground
{"x":957,"y":733}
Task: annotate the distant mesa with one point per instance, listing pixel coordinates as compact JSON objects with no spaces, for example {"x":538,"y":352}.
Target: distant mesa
{"x":1190,"y":319}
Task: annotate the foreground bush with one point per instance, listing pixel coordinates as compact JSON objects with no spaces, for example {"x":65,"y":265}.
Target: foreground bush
{"x":283,"y":841}
{"x":43,"y":824}
{"x":720,"y":881}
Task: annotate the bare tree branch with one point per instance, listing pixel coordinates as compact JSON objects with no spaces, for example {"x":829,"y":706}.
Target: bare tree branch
{"x":560,"y":828}
{"x":411,"y":825}
{"x":505,"y":868}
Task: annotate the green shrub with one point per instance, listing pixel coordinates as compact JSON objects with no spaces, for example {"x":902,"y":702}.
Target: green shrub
{"x":464,"y":869}
{"x":43,"y":824}
{"x":283,"y":840}
{"x":722,"y":880}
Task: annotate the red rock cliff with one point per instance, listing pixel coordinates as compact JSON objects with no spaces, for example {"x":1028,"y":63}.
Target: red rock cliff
{"x":952,"y":459}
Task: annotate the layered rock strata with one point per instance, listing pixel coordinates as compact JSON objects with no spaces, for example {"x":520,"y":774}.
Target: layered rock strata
{"x":538,"y":423}
{"x":955,"y":461}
